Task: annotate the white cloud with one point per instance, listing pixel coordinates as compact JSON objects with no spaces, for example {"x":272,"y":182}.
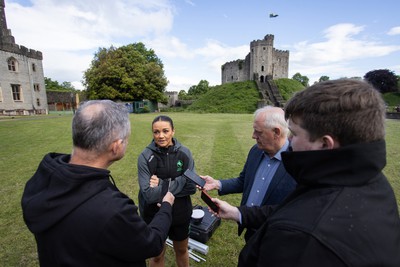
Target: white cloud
{"x":70,"y":32}
{"x":394,"y":31}
{"x":337,"y":53}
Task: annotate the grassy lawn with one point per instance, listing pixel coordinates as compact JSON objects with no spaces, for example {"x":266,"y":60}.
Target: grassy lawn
{"x":219,"y":143}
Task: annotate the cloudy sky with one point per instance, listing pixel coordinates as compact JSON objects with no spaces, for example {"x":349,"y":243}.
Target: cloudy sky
{"x":193,"y":38}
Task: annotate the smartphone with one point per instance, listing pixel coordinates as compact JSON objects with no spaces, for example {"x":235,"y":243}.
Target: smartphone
{"x":207,"y":199}
{"x":194,"y":177}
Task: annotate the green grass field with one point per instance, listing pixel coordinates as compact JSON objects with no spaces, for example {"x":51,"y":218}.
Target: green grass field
{"x":219,"y":143}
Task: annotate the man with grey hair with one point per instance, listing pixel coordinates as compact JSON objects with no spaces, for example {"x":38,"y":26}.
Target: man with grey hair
{"x":72,"y":206}
{"x":263,"y":180}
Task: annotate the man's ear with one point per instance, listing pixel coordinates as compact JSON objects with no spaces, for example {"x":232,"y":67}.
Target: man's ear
{"x":277,"y":132}
{"x":116,"y":146}
{"x":328,"y":142}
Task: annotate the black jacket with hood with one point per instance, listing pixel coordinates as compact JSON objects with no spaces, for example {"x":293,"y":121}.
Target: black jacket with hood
{"x":343,"y":213}
{"x":79,"y":218}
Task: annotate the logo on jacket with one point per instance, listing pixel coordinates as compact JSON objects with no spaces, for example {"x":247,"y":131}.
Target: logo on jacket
{"x":179,"y":165}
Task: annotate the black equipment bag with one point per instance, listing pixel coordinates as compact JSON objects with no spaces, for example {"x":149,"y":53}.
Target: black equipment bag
{"x":204,"y":230}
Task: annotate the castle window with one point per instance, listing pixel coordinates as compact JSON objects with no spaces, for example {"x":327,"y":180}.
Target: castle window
{"x":33,"y":67}
{"x":36,"y":87}
{"x":16,"y":92}
{"x":262,"y":68}
{"x":263,"y":48}
{"x":232,"y":77}
{"x":12,"y":64}
{"x":1,"y":95}
{"x":38,"y":102}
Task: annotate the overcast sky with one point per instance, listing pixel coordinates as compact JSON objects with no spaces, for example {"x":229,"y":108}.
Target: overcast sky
{"x":193,"y":38}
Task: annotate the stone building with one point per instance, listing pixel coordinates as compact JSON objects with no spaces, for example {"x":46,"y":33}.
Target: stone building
{"x":263,"y":62}
{"x":22,"y":88}
{"x":172,"y":98}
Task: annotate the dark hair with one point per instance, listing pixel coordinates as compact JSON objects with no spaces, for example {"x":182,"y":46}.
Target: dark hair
{"x":352,"y":111}
{"x":164,"y":118}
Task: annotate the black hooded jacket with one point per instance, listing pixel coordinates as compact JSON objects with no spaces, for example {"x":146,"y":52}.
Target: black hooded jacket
{"x":343,"y":213}
{"x":79,"y":218}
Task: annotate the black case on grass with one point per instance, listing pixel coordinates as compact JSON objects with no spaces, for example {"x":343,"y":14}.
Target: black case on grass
{"x":203,"y":231}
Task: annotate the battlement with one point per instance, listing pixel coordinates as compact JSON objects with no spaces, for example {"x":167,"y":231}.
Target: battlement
{"x":21,"y":50}
{"x":237,"y":61}
{"x":281,"y":52}
{"x":267,"y":41}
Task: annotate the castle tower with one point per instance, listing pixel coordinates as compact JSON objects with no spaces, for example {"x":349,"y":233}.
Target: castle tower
{"x":22,"y":88}
{"x":261,"y":58}
{"x":262,"y":63}
{"x":5,"y":33}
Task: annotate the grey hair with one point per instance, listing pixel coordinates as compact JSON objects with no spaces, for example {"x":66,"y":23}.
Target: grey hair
{"x":274,"y":117}
{"x":98,"y":123}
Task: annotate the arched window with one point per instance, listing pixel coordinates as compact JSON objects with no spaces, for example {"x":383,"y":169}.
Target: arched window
{"x":262,"y":68}
{"x":12,"y":64}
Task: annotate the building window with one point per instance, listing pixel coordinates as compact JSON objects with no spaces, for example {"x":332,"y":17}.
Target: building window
{"x":262,"y":68}
{"x":38,"y":102}
{"x":36,"y":87}
{"x":33,"y":67}
{"x":141,"y":105}
{"x":1,"y":95}
{"x":12,"y":64}
{"x":16,"y":91}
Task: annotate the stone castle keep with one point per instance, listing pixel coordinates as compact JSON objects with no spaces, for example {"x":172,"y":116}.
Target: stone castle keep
{"x":264,"y":62}
{"x":22,"y":88}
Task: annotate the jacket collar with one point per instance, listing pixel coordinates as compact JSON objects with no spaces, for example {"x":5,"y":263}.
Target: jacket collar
{"x":349,"y":165}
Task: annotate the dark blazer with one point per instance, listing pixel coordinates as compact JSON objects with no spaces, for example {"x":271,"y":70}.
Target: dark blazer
{"x":281,"y":184}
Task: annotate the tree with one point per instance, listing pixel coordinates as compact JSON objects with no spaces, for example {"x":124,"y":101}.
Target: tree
{"x":383,"y":80}
{"x":398,"y":83}
{"x":323,"y":78}
{"x":55,"y":86}
{"x":302,"y":79}
{"x":130,"y":72}
{"x":199,"y":89}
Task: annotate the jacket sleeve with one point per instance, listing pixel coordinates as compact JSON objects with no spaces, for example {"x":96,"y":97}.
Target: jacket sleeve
{"x":254,"y":217}
{"x":150,"y":194}
{"x":126,"y":236}
{"x":234,"y":185}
